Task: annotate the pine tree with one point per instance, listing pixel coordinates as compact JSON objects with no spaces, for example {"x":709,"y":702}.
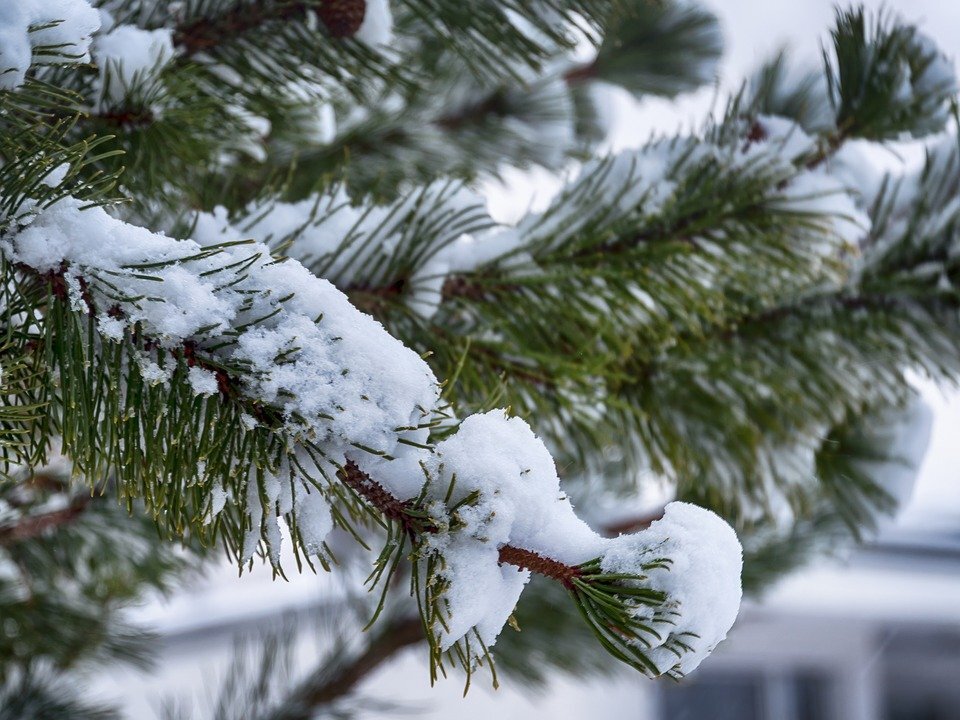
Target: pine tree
{"x":251,"y":295}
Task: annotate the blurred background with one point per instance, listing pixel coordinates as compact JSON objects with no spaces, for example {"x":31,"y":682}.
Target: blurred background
{"x":874,"y":634}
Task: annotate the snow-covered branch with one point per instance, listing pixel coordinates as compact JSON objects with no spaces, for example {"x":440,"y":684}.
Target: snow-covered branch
{"x":348,"y":398}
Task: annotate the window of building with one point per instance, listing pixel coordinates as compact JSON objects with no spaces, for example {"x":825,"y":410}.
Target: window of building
{"x":749,"y":695}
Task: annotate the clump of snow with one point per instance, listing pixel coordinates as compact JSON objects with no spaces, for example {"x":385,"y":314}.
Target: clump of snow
{"x":324,"y":126}
{"x":938,"y":74}
{"x":218,"y":500}
{"x":314,"y":519}
{"x":202,"y":381}
{"x":342,"y":376}
{"x":520,"y":498}
{"x":905,"y":432}
{"x":57,"y":175}
{"x":929,"y":84}
{"x":702,"y":582}
{"x":248,"y":140}
{"x":517,"y":501}
{"x":128,"y":57}
{"x":480,"y":593}
{"x":315,"y":115}
{"x":286,"y":495}
{"x":59,"y":30}
{"x":151,"y":373}
{"x":377,"y":27}
{"x":824,"y":198}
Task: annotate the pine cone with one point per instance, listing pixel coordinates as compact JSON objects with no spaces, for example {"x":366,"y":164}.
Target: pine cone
{"x":342,"y":17}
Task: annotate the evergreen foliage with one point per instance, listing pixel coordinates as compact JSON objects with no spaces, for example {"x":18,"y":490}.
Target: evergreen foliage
{"x":724,"y":309}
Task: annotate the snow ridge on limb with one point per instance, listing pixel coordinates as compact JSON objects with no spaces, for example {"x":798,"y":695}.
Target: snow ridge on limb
{"x":228,"y":320}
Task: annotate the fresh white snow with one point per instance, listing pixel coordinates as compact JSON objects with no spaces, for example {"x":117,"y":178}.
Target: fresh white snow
{"x":520,"y":504}
{"x":59,"y":30}
{"x":129,"y":57}
{"x":377,"y":27}
{"x":702,"y":582}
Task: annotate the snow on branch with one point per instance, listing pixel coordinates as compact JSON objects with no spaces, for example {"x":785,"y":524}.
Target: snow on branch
{"x":127,"y":57}
{"x":43,"y":30}
{"x":335,"y":373}
{"x":660,"y":599}
{"x":616,"y":204}
{"x":483,"y":507}
{"x":300,"y":357}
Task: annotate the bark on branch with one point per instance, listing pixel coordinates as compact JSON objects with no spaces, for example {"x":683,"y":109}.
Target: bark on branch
{"x":394,"y":509}
{"x":32,"y":526}
{"x":324,"y":686}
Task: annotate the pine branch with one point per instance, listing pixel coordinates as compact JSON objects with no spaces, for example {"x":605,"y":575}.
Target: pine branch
{"x":31,"y":526}
{"x":323,"y":687}
{"x":690,"y":301}
{"x":709,"y":404}
{"x":407,"y":514}
{"x":208,"y":32}
{"x":71,"y":574}
{"x":40,"y":693}
{"x":886,"y":79}
{"x":102,"y":387}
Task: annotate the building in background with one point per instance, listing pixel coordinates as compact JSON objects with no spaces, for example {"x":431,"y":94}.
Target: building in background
{"x":877,"y":638}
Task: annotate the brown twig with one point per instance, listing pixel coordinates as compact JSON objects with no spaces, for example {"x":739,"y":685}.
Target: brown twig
{"x":534,"y":562}
{"x":397,"y":510}
{"x":206,"y":33}
{"x":378,"y":496}
{"x":323,"y":687}
{"x":32,"y":526}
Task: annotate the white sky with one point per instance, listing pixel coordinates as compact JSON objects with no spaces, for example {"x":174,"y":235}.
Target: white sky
{"x":756,"y":29}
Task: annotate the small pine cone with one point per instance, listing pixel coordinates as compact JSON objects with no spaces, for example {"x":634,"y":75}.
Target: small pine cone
{"x":342,"y":17}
